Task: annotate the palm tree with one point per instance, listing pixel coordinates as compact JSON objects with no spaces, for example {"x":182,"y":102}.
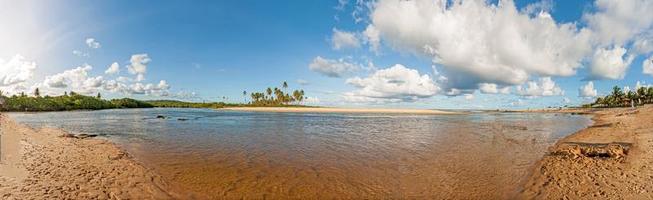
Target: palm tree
{"x":278,"y":94}
{"x":617,"y":95}
{"x":37,"y":93}
{"x":641,"y":94}
{"x":284,"y":85}
{"x":297,"y":95}
{"x":269,"y":92}
{"x":630,"y":96}
{"x":245,"y":95}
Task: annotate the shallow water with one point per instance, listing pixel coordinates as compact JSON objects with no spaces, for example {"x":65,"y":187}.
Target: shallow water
{"x":228,"y":154}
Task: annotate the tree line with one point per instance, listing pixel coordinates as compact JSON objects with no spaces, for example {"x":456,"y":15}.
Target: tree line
{"x":73,"y":101}
{"x":620,"y":98}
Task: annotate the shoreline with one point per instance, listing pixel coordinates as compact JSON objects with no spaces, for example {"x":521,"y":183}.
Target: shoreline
{"x":339,"y":110}
{"x":607,"y":160}
{"x":41,"y":164}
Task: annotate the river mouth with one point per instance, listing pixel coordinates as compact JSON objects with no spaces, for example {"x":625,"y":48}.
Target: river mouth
{"x":227,"y":154}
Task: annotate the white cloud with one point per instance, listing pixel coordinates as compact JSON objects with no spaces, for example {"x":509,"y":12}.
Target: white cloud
{"x":393,"y":84}
{"x":643,"y":45}
{"x":491,"y":88}
{"x":114,"y":68}
{"x":587,"y":90}
{"x":16,"y":71}
{"x":80,"y":53}
{"x":92,"y":43}
{"x":160,"y":89}
{"x":343,"y":39}
{"x":123,"y":79}
{"x":373,"y":38}
{"x":332,"y":68}
{"x":302,"y":82}
{"x":545,"y":86}
{"x":538,"y":7}
{"x":138,"y":65}
{"x":469,"y":97}
{"x":640,"y":84}
{"x":311,"y":100}
{"x":76,"y":79}
{"x":480,"y":43}
{"x":618,"y":22}
{"x":610,"y":64}
{"x":647,"y":66}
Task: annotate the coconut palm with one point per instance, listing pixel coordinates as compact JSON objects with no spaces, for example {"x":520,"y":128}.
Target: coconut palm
{"x":641,"y":94}
{"x":269,"y":92}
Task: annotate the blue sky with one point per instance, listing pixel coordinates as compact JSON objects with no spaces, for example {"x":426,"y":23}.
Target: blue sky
{"x":205,"y":50}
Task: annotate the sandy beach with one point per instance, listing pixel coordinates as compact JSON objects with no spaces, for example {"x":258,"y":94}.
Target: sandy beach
{"x":40,"y":164}
{"x":340,"y":110}
{"x":611,"y":159}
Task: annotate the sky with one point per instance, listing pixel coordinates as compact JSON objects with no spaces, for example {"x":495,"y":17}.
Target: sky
{"x":470,"y":54}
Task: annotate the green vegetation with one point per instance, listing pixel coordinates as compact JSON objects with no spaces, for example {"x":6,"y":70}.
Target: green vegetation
{"x":73,"y":101}
{"x":23,"y":103}
{"x":280,"y":98}
{"x":182,"y":104}
{"x":619,"y":98}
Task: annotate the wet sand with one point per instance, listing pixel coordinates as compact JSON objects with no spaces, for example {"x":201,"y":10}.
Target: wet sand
{"x":612,"y":159}
{"x":39,"y":164}
{"x":340,"y":110}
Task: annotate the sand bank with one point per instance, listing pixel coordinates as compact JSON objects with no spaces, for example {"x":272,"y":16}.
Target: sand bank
{"x":611,"y":159}
{"x":39,"y":164}
{"x":340,"y":110}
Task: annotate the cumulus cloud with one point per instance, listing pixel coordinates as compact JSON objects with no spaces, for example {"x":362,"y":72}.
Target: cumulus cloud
{"x":544,"y":86}
{"x":610,"y":63}
{"x":138,"y":65}
{"x":114,"y":68}
{"x":332,"y":68}
{"x":92,"y":43}
{"x":618,"y":22}
{"x":476,"y":42}
{"x":16,"y":70}
{"x":491,"y":88}
{"x":76,"y":79}
{"x":394,"y":84}
{"x":647,"y":66}
{"x":587,"y":90}
{"x":160,"y":89}
{"x":343,"y":39}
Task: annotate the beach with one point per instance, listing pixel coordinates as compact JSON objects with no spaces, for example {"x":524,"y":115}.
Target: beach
{"x":339,"y":110}
{"x":40,"y":164}
{"x":608,"y":160}
{"x":611,"y":159}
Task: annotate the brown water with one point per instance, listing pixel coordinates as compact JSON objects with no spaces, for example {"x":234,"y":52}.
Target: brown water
{"x":221,"y":154}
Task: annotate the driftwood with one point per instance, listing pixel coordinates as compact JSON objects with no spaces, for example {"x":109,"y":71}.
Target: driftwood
{"x":615,"y":150}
